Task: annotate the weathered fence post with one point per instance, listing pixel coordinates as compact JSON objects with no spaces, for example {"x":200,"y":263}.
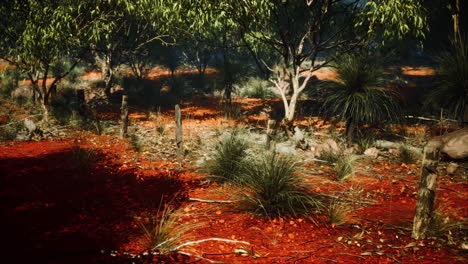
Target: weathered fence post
{"x":270,"y":132}
{"x":179,"y":134}
{"x":426,"y":193}
{"x":124,"y":117}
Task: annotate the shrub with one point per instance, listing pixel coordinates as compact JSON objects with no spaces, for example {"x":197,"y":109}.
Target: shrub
{"x":452,"y":86}
{"x":9,"y":81}
{"x":226,"y":162}
{"x":344,"y":167}
{"x":273,"y":189}
{"x":256,"y":88}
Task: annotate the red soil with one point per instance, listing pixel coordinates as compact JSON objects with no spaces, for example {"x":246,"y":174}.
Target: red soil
{"x":56,"y":212}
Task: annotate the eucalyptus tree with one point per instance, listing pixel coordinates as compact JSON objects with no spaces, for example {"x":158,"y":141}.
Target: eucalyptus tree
{"x":304,"y":34}
{"x":127,"y":28}
{"x":37,"y":34}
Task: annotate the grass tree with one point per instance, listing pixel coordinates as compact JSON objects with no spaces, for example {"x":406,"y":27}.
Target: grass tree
{"x":452,"y":87}
{"x":358,"y":96}
{"x":301,"y":32}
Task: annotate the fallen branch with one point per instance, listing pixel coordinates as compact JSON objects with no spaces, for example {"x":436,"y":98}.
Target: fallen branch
{"x":346,"y":254}
{"x":210,"y":201}
{"x":210,"y":239}
{"x":348,"y":200}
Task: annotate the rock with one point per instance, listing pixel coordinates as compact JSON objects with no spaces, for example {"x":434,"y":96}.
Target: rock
{"x":350,"y":150}
{"x":30,"y":125}
{"x":452,"y":167}
{"x":286,"y":148}
{"x":298,"y":135}
{"x":329,"y":145}
{"x":372,"y":152}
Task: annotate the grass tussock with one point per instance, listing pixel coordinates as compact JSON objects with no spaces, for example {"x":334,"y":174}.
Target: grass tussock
{"x":273,"y":189}
{"x":330,"y":156}
{"x":344,"y":167}
{"x":365,"y":142}
{"x":442,"y":224}
{"x":137,"y":143}
{"x":227,"y":161}
{"x":83,"y":158}
{"x":162,"y":232}
{"x":337,"y":212}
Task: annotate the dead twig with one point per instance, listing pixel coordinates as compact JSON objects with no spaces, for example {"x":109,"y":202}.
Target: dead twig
{"x":348,"y":200}
{"x":210,"y":201}
{"x":210,"y":239}
{"x":357,"y":256}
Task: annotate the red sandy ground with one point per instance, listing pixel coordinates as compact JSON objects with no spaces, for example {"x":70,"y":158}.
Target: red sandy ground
{"x":53,"y":212}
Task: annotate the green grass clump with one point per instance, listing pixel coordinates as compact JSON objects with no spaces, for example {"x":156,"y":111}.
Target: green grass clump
{"x":136,"y":142}
{"x":344,"y":167}
{"x":84,"y":158}
{"x":365,"y":142}
{"x":273,"y":189}
{"x":337,"y":212}
{"x":227,"y":160}
{"x":162,"y":232}
{"x":330,"y":156}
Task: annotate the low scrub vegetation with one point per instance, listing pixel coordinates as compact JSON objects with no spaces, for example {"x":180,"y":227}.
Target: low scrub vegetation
{"x":226,"y":163}
{"x":273,"y":188}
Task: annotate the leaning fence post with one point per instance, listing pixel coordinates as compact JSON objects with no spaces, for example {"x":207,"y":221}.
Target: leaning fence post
{"x":179,"y":138}
{"x":270,"y":132}
{"x":124,"y":117}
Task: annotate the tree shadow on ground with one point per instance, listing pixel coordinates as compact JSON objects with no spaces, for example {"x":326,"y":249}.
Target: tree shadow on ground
{"x":53,"y":211}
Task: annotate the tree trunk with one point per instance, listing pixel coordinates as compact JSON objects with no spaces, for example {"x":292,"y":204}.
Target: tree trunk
{"x":124,"y":117}
{"x":350,"y":128}
{"x":426,"y":193}
{"x":269,"y":133}
{"x":179,"y":135}
{"x":465,"y":115}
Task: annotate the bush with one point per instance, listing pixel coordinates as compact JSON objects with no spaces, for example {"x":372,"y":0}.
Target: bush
{"x":344,"y":167}
{"x":273,"y":189}
{"x":227,"y":160}
{"x":65,"y":106}
{"x":9,"y":81}
{"x":255,"y":87}
{"x":452,"y":86}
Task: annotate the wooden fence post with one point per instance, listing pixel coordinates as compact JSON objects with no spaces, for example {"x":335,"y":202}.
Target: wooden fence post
{"x":270,"y":132}
{"x":179,"y":134}
{"x":426,"y":193}
{"x":124,"y":117}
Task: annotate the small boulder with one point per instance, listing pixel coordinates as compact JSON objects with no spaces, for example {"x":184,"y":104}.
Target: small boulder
{"x":329,"y":145}
{"x":452,"y":167}
{"x":372,"y":152}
